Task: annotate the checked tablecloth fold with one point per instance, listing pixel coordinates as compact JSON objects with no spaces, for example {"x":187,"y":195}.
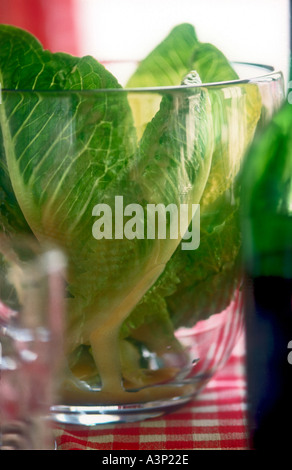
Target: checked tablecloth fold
{"x":215,"y":419}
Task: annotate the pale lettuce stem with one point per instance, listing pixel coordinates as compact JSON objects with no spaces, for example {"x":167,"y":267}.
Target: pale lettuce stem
{"x":104,"y":338}
{"x":105,"y":350}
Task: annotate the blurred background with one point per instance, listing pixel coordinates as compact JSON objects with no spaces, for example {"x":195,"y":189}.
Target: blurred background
{"x":251,"y":31}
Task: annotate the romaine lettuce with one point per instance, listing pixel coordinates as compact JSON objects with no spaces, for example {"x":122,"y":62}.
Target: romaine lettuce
{"x":64,"y":149}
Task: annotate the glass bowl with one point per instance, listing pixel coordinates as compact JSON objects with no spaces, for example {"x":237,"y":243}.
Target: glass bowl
{"x":138,"y":187}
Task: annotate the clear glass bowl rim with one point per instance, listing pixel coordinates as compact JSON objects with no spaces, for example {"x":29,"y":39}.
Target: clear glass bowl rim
{"x":269,"y":74}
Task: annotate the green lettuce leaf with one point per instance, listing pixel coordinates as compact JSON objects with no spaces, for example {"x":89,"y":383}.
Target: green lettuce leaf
{"x":166,"y":65}
{"x":169,"y":62}
{"x":195,"y":275}
{"x":211,"y":63}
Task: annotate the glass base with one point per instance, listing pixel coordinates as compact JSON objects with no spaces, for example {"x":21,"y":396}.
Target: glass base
{"x":208,"y":346}
{"x":95,"y":415}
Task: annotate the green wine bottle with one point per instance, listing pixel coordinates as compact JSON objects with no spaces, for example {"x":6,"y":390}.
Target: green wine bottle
{"x":267,"y":250}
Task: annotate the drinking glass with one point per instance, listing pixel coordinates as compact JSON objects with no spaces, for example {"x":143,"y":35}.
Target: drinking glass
{"x":31,"y":330}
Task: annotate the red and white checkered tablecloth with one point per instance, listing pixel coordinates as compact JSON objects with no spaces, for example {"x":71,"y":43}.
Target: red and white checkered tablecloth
{"x":215,"y":419}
